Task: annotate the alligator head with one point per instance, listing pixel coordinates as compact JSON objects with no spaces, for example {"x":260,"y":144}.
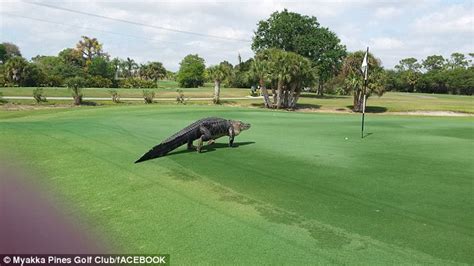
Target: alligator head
{"x":239,"y":126}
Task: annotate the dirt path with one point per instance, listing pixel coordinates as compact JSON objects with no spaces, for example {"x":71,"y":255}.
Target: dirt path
{"x":128,"y":98}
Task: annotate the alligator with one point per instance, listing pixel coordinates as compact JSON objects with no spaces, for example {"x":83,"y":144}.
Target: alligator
{"x":206,"y":129}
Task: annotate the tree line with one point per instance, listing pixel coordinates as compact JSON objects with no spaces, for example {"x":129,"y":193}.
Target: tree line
{"x":434,"y":74}
{"x":293,"y":52}
{"x":86,"y":62}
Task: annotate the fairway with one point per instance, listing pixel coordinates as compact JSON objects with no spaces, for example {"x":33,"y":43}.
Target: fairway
{"x":300,"y":188}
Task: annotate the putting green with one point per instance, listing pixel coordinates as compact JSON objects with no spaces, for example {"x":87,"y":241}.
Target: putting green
{"x":295,"y":191}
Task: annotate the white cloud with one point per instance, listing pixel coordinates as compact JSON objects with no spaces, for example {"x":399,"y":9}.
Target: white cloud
{"x":387,"y":12}
{"x":392,"y":29}
{"x":455,"y":19}
{"x":385,"y":43}
{"x":229,"y":32}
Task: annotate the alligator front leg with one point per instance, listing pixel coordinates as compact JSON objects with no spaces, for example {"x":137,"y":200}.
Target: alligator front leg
{"x":231,"y":136}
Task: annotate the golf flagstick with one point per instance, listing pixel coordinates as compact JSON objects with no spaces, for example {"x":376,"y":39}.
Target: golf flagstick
{"x":363,"y":115}
{"x":365,"y":70}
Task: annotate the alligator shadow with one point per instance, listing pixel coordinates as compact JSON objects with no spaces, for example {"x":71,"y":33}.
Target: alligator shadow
{"x":212,"y":147}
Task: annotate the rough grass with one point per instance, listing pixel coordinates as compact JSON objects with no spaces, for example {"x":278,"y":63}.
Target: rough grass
{"x":295,"y":191}
{"x":389,"y":102}
{"x":168,"y":89}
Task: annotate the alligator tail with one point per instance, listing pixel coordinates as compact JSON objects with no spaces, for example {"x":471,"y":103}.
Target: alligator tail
{"x":163,"y":148}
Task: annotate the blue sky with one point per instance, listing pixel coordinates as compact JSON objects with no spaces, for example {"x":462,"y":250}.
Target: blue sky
{"x":392,"y":29}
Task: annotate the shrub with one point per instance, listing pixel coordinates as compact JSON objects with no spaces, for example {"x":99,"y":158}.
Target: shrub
{"x":148,"y":96}
{"x":254,"y":92}
{"x":115,"y":96}
{"x":76,"y":84}
{"x":38,"y":95}
{"x":53,"y":81}
{"x":1,"y":98}
{"x":99,"y":82}
{"x":3,"y":81}
{"x":180,"y":97}
{"x":136,"y":83}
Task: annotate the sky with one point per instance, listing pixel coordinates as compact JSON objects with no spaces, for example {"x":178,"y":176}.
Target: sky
{"x":392,"y":29}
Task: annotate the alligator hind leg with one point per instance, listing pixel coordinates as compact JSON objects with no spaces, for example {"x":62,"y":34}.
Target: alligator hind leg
{"x":206,"y":135}
{"x":191,"y":147}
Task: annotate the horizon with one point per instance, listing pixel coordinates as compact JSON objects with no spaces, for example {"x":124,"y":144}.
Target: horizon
{"x":166,"y":31}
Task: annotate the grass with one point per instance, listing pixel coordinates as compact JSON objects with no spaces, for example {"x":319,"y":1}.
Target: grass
{"x":389,"y":102}
{"x":295,"y":191}
{"x":168,"y":91}
{"x":396,"y":102}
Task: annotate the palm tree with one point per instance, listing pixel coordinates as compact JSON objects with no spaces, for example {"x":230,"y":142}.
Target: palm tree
{"x":286,"y":72}
{"x":130,"y":66}
{"x":218,"y":73}
{"x":281,"y":72}
{"x":155,"y":71}
{"x":259,"y":69}
{"x":14,"y":69}
{"x":302,"y":74}
{"x":116,"y":66}
{"x":352,"y":74}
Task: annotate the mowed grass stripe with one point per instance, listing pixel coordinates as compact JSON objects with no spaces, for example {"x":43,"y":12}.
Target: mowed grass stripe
{"x":327,"y":208}
{"x":98,"y":159}
{"x":399,"y":196}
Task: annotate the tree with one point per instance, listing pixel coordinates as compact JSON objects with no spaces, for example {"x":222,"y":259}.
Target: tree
{"x":89,"y":48}
{"x":153,"y":71}
{"x":11,"y":50}
{"x":170,"y":75}
{"x":409,"y":70}
{"x":14,"y":69}
{"x":303,"y":35}
{"x":230,"y":76}
{"x":241,"y":76}
{"x":259,"y":70}
{"x":72,"y":57}
{"x":354,"y":81}
{"x":460,"y":81}
{"x":408,"y":64}
{"x":100,"y":66}
{"x":219,"y":73}
{"x":434,"y":62}
{"x":58,"y":68}
{"x":452,"y":81}
{"x":33,"y":76}
{"x":3,"y":54}
{"x":458,"y":60}
{"x":129,"y":67}
{"x":116,"y":67}
{"x":191,"y":71}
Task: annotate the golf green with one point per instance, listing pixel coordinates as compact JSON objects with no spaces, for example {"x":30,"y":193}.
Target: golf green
{"x":300,"y":188}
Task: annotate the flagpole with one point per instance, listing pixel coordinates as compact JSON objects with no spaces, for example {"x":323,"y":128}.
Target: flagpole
{"x":364,"y":91}
{"x":363,"y":109}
